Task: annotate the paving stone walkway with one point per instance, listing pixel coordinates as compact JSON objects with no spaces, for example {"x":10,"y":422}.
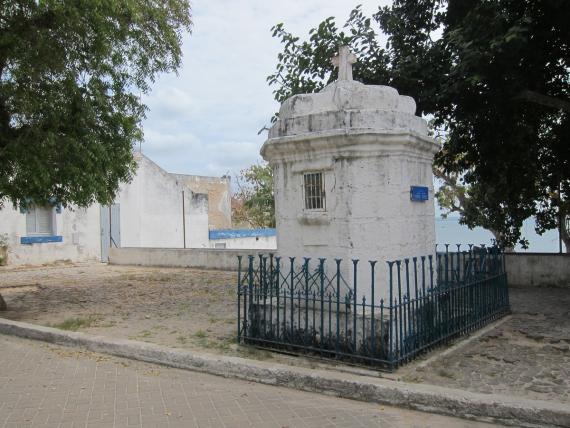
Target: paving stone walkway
{"x":49,"y":386}
{"x":528,"y":355}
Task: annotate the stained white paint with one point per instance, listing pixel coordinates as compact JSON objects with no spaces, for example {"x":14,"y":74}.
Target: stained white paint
{"x":370,"y":147}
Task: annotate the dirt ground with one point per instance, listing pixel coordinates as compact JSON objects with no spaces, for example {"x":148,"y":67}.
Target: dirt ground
{"x":184,"y":308}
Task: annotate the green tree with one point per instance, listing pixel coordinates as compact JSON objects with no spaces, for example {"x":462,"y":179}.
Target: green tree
{"x":493,"y":74}
{"x":254,"y":202}
{"x":71,"y":75}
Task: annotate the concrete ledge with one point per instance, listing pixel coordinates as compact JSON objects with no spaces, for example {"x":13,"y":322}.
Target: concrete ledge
{"x":199,"y":258}
{"x":452,"y":402}
{"x":538,"y":269}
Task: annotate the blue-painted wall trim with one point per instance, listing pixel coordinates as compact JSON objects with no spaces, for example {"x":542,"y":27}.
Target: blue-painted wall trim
{"x":29,"y":240}
{"x":240,"y":233}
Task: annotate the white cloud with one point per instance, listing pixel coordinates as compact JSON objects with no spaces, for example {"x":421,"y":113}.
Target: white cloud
{"x":205,"y":120}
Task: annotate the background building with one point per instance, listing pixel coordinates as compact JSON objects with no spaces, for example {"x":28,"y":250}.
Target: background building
{"x":156,"y":209}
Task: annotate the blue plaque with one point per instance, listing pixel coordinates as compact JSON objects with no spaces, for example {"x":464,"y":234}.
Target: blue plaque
{"x":419,"y":193}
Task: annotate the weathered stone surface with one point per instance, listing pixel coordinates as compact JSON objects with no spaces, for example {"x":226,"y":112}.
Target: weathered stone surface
{"x":3,"y":306}
{"x":528,"y":355}
{"x":348,"y":105}
{"x":368,"y":149}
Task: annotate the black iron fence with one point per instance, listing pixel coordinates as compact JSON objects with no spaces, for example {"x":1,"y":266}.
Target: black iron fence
{"x":328,"y":309}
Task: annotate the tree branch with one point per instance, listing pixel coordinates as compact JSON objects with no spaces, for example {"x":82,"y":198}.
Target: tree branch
{"x":543,"y":100}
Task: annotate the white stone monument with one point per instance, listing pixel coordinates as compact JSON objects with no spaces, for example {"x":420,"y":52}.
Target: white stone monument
{"x":352,"y":167}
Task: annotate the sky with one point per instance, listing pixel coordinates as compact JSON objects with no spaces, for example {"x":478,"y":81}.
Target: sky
{"x":205,"y":120}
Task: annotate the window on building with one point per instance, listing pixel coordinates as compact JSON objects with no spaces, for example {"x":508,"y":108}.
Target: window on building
{"x":314,"y":189}
{"x":40,"y":221}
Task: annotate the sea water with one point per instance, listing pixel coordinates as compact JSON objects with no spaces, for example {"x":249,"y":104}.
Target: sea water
{"x":449,"y":231}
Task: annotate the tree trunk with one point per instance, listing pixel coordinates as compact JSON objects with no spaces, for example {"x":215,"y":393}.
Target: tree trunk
{"x":3,"y":306}
{"x":499,"y":241}
{"x":564,"y":232}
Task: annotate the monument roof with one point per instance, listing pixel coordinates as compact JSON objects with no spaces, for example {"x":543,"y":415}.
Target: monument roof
{"x":348,"y":105}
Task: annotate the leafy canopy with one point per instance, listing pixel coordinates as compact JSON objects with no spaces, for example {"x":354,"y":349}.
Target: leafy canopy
{"x":493,"y":74}
{"x":71,"y":75}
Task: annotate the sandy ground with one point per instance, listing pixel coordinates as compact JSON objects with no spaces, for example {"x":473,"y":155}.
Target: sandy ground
{"x":183,"y":308}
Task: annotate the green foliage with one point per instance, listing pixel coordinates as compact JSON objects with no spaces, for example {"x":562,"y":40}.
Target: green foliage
{"x":71,"y":75}
{"x":305,"y":67}
{"x":494,"y":75}
{"x":254,"y":203}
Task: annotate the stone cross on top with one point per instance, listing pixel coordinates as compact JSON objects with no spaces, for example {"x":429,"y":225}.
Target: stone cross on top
{"x":343,"y":61}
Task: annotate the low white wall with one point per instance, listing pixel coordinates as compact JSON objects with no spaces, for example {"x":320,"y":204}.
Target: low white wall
{"x":199,"y":258}
{"x":538,"y":270}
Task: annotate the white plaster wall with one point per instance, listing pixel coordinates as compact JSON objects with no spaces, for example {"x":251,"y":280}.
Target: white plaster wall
{"x":74,"y":224}
{"x":152,"y":212}
{"x":251,"y":242}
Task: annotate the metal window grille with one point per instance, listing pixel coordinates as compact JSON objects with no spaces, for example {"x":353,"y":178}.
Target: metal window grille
{"x":314,"y":187}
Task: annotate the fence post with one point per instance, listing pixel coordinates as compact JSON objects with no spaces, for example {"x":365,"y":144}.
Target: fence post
{"x":278,"y":294}
{"x":292,"y":291}
{"x":355,"y":284}
{"x":306,"y":267}
{"x":416,"y":303}
{"x":322,"y":281}
{"x":430,"y":259}
{"x":239,"y":300}
{"x":372,"y":307}
{"x":338,"y":261}
{"x":446,"y":258}
{"x":391,"y":328}
{"x":270,"y":285}
{"x":399,"y":310}
{"x":246,"y":308}
{"x":408,"y":315}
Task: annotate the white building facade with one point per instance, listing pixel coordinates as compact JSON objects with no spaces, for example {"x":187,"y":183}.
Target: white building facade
{"x":156,"y":209}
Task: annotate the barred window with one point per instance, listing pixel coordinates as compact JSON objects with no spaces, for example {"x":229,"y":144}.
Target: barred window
{"x":314,"y":187}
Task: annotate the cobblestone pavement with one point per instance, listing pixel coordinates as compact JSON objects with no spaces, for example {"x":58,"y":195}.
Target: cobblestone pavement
{"x":528,"y":355}
{"x":48,"y":386}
